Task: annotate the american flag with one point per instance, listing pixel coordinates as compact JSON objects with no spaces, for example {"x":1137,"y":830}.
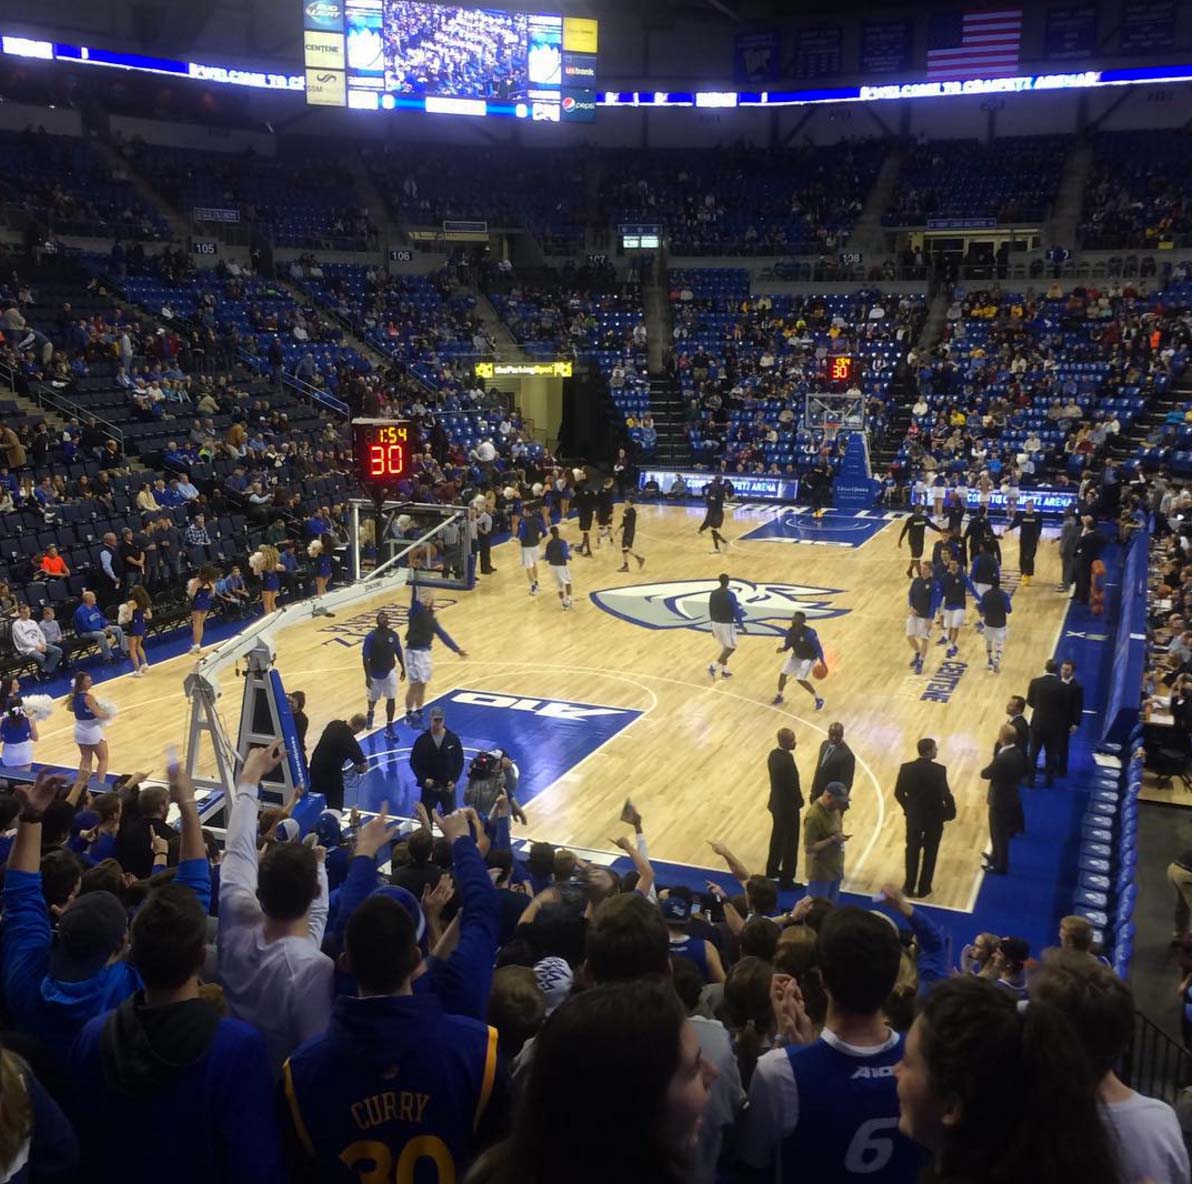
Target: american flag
{"x":982,"y":44}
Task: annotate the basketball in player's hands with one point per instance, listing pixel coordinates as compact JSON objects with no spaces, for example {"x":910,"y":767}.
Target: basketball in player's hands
{"x":820,"y":670}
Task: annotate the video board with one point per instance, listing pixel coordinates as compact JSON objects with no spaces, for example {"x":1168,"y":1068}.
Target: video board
{"x":399,"y":54}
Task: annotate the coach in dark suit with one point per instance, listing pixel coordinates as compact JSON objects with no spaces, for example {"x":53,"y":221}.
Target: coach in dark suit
{"x":922,"y":790}
{"x":1015,"y":717}
{"x":1077,"y":695}
{"x":835,"y":762}
{"x":785,"y":804}
{"x":1004,"y":810}
{"x":1049,"y":699}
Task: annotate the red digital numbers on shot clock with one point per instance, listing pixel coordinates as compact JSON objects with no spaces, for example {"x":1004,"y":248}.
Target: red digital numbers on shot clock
{"x":841,"y":369}
{"x":382,"y":450}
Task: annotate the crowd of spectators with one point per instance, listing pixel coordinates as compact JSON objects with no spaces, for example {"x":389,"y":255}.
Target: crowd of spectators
{"x":1137,"y":196}
{"x":274,"y":997}
{"x":745,"y":364}
{"x":1011,"y":180}
{"x":1046,"y":386}
{"x":304,"y":197}
{"x":743,"y":202}
{"x":64,"y":187}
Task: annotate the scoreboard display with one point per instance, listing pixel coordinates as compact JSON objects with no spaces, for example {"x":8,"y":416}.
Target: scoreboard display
{"x":382,"y":450}
{"x":386,"y":55}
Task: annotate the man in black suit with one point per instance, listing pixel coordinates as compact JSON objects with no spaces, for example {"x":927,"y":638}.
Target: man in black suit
{"x":1087,"y":549}
{"x":1070,"y":681}
{"x":922,"y":790}
{"x":835,"y":762}
{"x":1015,"y":717}
{"x":785,"y":804}
{"x":1004,"y":810}
{"x":1049,"y":699}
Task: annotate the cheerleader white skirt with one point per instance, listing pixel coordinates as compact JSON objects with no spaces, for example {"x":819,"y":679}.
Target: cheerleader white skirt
{"x":89,"y":731}
{"x":17,"y":755}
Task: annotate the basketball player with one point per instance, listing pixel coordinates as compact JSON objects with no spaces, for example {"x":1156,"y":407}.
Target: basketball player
{"x":984,"y":575}
{"x":715,"y":500}
{"x":951,"y":589}
{"x":915,"y":526}
{"x":585,"y":502}
{"x":421,"y":630}
{"x":381,"y":654}
{"x":819,"y":482}
{"x":806,"y":652}
{"x":725,"y":613}
{"x":530,"y":531}
{"x":605,"y":512}
{"x":556,"y":553}
{"x":994,"y":606}
{"x":920,"y":616}
{"x":1029,"y":523}
{"x":629,"y":522}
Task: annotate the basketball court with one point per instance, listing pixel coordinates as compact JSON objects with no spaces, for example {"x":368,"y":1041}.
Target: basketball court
{"x":614,"y":699}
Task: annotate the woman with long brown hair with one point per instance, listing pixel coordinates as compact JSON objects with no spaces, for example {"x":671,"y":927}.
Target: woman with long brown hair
{"x":36,"y":1139}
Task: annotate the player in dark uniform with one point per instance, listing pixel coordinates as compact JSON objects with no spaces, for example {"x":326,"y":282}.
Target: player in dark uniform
{"x":819,"y":483}
{"x":915,"y":526}
{"x":629,"y":522}
{"x":955,"y":511}
{"x":715,"y":499}
{"x":1029,"y":523}
{"x":605,"y":512}
{"x":585,"y":502}
{"x":978,"y":531}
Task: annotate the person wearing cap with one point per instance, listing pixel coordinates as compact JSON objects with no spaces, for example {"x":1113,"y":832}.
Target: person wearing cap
{"x":54,"y":982}
{"x":331,"y":838}
{"x":395,"y":1078}
{"x":677,"y":914}
{"x":272,"y":918}
{"x":824,"y":841}
{"x":437,"y":761}
{"x":1010,"y":964}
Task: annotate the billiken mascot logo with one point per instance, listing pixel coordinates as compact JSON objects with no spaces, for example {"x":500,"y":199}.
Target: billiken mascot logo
{"x":684,"y":604}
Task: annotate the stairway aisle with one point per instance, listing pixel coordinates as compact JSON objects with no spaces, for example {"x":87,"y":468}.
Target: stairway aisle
{"x":667,"y":409}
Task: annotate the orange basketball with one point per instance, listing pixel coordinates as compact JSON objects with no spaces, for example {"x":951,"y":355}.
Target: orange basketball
{"x":820,"y":670}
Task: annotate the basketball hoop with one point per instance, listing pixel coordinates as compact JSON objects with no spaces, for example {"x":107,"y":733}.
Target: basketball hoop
{"x":831,"y":427}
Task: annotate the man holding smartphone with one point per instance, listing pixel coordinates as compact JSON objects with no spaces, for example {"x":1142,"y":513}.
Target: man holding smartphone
{"x":824,"y":841}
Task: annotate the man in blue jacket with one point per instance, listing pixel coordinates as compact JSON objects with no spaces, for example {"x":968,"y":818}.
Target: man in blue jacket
{"x":91,"y":626}
{"x":167,"y":1055}
{"x":395,"y":1079}
{"x":55,"y":983}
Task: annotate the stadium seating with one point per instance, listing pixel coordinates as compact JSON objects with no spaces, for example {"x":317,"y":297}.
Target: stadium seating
{"x":63,"y":184}
{"x":1138,"y":192}
{"x":1010,"y":180}
{"x":718,"y":202}
{"x":306,"y":200}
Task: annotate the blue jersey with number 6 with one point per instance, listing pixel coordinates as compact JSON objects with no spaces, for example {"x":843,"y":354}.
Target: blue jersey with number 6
{"x":848,"y":1126}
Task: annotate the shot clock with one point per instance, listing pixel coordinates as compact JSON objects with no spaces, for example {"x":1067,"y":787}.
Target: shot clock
{"x":841,"y":368}
{"x":382,"y":450}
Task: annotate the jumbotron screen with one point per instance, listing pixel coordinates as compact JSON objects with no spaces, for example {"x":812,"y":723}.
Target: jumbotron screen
{"x":400,"y":54}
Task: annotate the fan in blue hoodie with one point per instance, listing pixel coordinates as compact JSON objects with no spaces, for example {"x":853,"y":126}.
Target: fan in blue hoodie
{"x":394,"y":1080}
{"x":55,"y":982}
{"x":166,"y":1055}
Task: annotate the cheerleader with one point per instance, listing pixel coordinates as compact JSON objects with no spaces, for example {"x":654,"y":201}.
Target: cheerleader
{"x":513,"y":497}
{"x":321,"y":552}
{"x":133,"y":615}
{"x":10,"y":690}
{"x":90,"y":716}
{"x":18,"y":732}
{"x":201,"y":589}
{"x":265,"y":563}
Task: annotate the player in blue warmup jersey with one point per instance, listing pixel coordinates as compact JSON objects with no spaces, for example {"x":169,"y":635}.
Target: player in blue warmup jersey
{"x":530,"y":531}
{"x":949,"y":594}
{"x":725,"y":615}
{"x":381,"y":654}
{"x":395,"y":1089}
{"x":806,"y":653}
{"x":828,"y":1108}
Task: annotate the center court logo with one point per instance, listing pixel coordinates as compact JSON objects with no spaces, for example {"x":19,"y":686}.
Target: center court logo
{"x":684,"y":604}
